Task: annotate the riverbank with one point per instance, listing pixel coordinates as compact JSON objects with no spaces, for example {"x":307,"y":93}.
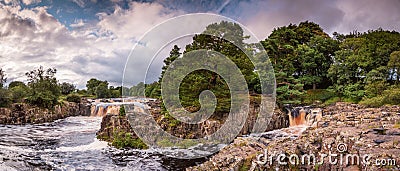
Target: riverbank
{"x":345,"y":130}
{"x":21,"y":113}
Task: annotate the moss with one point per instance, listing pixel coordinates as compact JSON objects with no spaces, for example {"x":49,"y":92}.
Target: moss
{"x":165,"y":143}
{"x":125,"y":140}
{"x":397,"y":125}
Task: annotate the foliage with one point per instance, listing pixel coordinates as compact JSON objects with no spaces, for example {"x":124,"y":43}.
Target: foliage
{"x":19,"y":93}
{"x":67,"y":88}
{"x":4,"y":97}
{"x":122,"y":110}
{"x":137,"y":90}
{"x":44,"y":87}
{"x":102,"y":90}
{"x":73,"y":98}
{"x":92,"y":84}
{"x":124,"y":140}
{"x":15,"y":84}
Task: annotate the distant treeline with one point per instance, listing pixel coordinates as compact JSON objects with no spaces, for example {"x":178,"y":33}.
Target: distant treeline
{"x":44,"y":90}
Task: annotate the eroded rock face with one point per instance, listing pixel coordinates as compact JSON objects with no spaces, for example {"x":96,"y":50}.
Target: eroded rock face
{"x":113,"y":123}
{"x":345,"y":129}
{"x":23,"y":113}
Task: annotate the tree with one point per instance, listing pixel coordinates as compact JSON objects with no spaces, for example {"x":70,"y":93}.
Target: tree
{"x":44,"y":87}
{"x":394,"y":65}
{"x":92,"y":84}
{"x":102,"y":90}
{"x":3,"y":78}
{"x":67,"y":88}
{"x":15,"y":84}
{"x":19,"y":93}
{"x":174,"y":54}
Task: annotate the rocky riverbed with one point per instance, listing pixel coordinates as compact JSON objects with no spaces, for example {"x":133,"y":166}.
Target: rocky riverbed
{"x":356,"y":137}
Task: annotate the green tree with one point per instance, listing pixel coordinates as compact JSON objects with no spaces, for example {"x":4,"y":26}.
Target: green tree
{"x":44,"y":87}
{"x":122,"y":110}
{"x":15,"y":84}
{"x":92,"y":84}
{"x":102,"y":90}
{"x":67,"y":88}
{"x":19,"y":93}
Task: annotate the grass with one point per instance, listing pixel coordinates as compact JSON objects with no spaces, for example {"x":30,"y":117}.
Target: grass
{"x":124,"y":140}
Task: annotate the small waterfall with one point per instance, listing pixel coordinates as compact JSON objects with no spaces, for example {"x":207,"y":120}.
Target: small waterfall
{"x":304,"y":116}
{"x":102,"y":109}
{"x":112,"y":106}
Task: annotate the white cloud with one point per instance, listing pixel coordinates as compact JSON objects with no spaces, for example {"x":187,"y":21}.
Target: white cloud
{"x":28,"y":2}
{"x":30,"y":38}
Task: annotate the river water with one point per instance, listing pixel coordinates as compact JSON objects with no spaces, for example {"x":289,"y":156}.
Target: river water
{"x":71,"y":144}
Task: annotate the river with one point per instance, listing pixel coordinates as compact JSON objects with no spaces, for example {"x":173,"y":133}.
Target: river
{"x":71,"y":144}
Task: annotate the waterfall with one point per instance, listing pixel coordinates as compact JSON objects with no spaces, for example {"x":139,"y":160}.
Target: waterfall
{"x":112,"y":106}
{"x":304,"y":115}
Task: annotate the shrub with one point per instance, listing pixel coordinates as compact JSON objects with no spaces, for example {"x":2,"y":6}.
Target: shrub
{"x":19,"y":93}
{"x":74,"y":98}
{"x":318,"y":95}
{"x":123,"y":140}
{"x":122,"y":110}
{"x":4,"y":97}
{"x":390,"y":97}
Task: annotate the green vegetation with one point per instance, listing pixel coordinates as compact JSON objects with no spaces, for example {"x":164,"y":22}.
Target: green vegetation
{"x":310,"y":68}
{"x":73,"y":98}
{"x":101,"y":89}
{"x":123,"y":140}
{"x":122,"y":110}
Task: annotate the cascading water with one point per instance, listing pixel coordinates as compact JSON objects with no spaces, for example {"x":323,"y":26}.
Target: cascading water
{"x":300,"y":118}
{"x":71,"y":144}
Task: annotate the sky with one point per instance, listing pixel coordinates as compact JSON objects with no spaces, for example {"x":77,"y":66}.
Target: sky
{"x":86,"y":39}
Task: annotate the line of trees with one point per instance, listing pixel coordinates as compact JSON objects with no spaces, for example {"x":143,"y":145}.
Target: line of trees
{"x":44,"y":90}
{"x":309,"y":65}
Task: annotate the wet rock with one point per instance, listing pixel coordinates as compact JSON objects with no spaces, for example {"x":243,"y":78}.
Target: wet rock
{"x":340,"y":134}
{"x":379,"y":141}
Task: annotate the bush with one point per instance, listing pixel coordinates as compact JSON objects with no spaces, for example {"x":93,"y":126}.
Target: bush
{"x":123,"y":140}
{"x":74,"y":98}
{"x":19,"y":93}
{"x":389,"y":97}
{"x":122,"y":110}
{"x":4,"y":97}
{"x":332,"y":101}
{"x":321,"y":95}
{"x":373,"y":102}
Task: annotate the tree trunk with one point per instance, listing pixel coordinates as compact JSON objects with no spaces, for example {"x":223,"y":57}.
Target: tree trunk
{"x":314,"y":86}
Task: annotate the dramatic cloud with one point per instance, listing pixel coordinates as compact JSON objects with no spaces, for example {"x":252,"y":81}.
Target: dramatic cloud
{"x":30,"y":38}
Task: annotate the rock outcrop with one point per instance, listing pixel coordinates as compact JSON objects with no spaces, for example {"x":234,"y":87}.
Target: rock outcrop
{"x":26,"y":114}
{"x":113,"y":123}
{"x":358,"y":138}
